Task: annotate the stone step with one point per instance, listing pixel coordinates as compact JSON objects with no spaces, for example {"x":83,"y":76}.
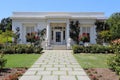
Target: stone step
{"x":59,"y":47}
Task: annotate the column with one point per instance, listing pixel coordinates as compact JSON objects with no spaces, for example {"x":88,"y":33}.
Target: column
{"x":93,"y":34}
{"x":24,"y":32}
{"x":68,"y":40}
{"x":48,"y":34}
{"x":22,"y":38}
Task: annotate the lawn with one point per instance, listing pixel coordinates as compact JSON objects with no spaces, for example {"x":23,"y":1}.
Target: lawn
{"x":21,"y":60}
{"x":93,"y":60}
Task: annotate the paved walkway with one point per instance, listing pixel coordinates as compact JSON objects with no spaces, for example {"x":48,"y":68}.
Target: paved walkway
{"x":55,"y":65}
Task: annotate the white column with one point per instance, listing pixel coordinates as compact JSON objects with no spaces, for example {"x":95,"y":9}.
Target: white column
{"x":93,"y":34}
{"x":68,"y":40}
{"x":24,"y":34}
{"x":48,"y":34}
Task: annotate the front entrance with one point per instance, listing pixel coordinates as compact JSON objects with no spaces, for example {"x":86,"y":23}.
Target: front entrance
{"x":58,"y":34}
{"x":58,"y":37}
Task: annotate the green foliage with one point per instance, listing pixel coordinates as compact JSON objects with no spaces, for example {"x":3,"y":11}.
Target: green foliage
{"x":21,"y":49}
{"x":84,"y":37}
{"x":1,"y":46}
{"x":102,"y":28}
{"x":114,"y":62}
{"x":6,"y":24}
{"x":105,"y":35}
{"x":2,"y":61}
{"x":74,"y":31}
{"x":3,"y":39}
{"x":114,"y":23}
{"x":93,"y":49}
{"x":16,"y":35}
{"x":36,"y":37}
{"x":7,"y":35}
{"x":0,"y":31}
{"x":78,"y":49}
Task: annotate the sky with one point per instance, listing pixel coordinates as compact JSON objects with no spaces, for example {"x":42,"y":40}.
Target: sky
{"x":107,"y":6}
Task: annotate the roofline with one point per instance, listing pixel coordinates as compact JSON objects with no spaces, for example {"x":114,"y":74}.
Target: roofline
{"x":45,"y":15}
{"x":58,"y":17}
{"x":59,"y":12}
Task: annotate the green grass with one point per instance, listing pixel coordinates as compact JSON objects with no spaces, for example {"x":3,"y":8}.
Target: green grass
{"x":93,"y":60}
{"x":21,"y":60}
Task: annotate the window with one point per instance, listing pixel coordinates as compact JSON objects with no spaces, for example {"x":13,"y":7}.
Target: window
{"x":85,"y":29}
{"x":29,"y":29}
{"x":29,"y":33}
{"x":63,"y":35}
{"x":86,"y":34}
{"x":52,"y":35}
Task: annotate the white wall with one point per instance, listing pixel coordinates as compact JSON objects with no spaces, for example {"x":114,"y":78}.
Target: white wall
{"x":38,"y":24}
{"x":42,"y":23}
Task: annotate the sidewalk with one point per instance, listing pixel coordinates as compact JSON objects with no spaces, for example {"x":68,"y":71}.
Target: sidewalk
{"x":55,"y":65}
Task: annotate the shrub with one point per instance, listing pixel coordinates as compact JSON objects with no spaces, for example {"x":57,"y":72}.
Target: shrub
{"x":2,"y":61}
{"x":92,"y":49}
{"x":21,"y":48}
{"x":114,"y":61}
{"x":8,"y":50}
{"x":38,"y":50}
{"x":1,"y":45}
{"x":78,"y":49}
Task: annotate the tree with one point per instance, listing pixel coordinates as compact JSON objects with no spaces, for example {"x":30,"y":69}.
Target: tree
{"x":7,"y":34}
{"x":16,"y":35}
{"x":74,"y":31}
{"x":114,"y":23}
{"x":6,"y":24}
{"x":101,"y":28}
{"x":105,"y":36}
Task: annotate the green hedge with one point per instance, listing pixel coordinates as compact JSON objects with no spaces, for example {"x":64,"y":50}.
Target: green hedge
{"x":114,"y":61}
{"x":3,"y":61}
{"x":20,"y":49}
{"x":92,"y":49}
{"x":1,"y":46}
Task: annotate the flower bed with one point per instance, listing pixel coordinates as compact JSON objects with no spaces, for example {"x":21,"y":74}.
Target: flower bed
{"x":12,"y":74}
{"x":101,"y":74}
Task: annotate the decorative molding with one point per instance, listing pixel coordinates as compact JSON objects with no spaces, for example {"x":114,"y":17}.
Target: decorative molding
{"x":58,"y":24}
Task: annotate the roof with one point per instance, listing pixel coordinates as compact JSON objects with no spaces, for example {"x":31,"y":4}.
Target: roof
{"x":94,"y":15}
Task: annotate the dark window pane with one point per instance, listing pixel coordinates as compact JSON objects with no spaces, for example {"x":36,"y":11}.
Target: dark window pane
{"x":52,"y":35}
{"x":63,"y":35}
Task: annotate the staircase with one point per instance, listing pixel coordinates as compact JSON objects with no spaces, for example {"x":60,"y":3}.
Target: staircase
{"x":59,"y":47}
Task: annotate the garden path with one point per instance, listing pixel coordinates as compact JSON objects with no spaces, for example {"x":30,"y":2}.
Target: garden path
{"x":55,"y":65}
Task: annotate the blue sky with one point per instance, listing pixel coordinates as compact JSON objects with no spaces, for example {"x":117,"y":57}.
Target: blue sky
{"x":106,"y":6}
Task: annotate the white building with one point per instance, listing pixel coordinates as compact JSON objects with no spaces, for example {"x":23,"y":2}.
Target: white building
{"x":57,"y":26}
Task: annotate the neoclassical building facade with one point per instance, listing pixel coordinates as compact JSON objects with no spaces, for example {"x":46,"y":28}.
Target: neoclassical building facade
{"x":56,"y":25}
